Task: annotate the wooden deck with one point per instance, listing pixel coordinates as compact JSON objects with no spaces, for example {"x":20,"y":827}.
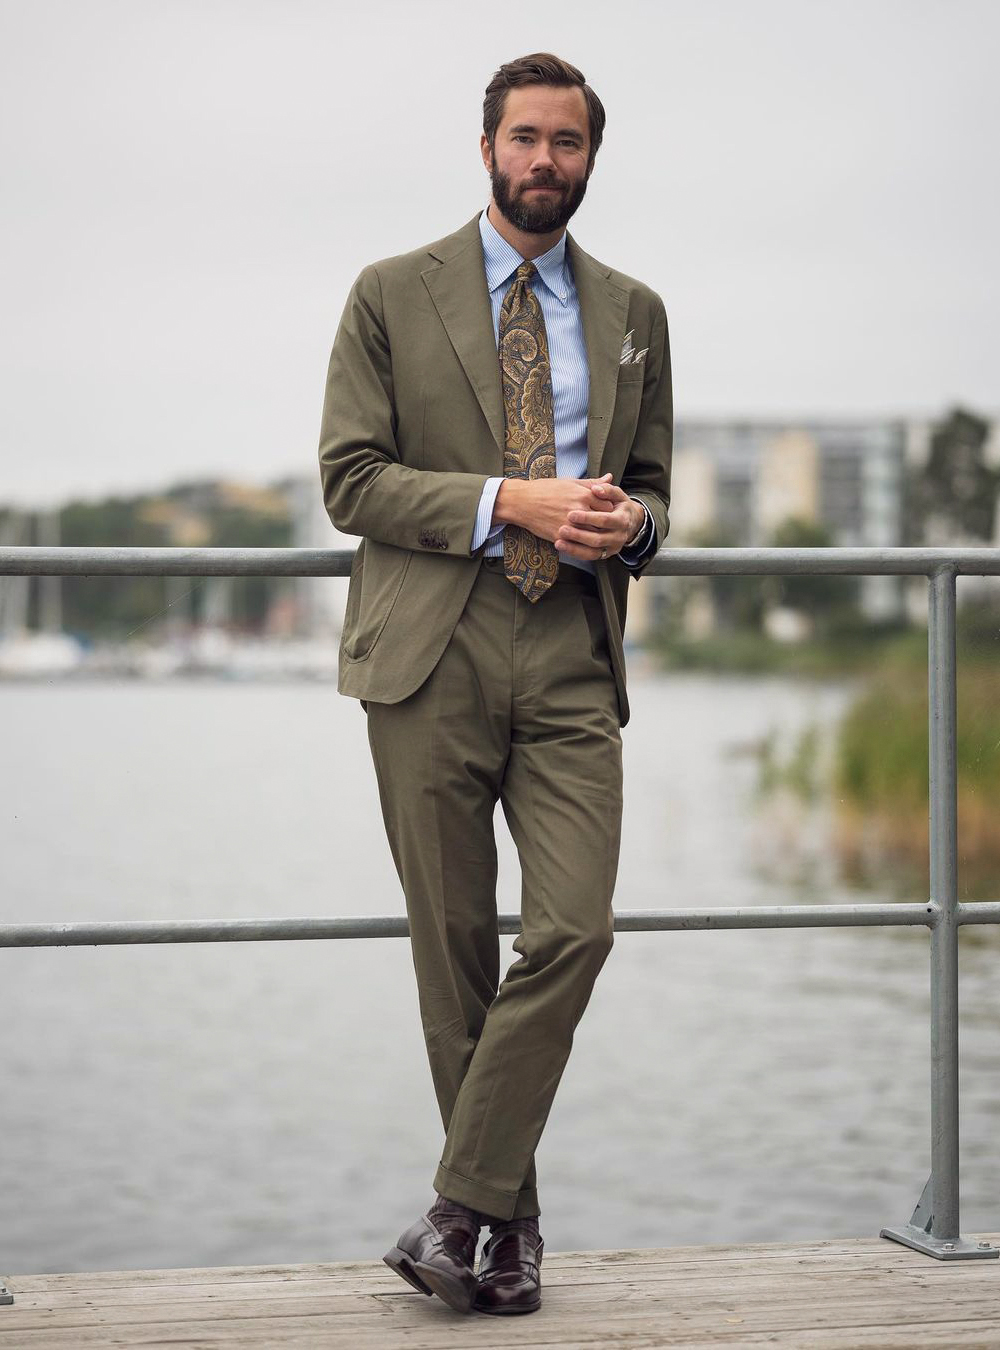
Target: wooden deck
{"x":856,"y":1293}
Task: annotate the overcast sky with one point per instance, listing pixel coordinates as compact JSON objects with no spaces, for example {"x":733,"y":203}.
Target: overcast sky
{"x":190,"y":187}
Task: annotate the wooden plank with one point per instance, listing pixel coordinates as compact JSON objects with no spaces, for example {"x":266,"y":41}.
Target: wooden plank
{"x":907,"y":1336}
{"x":888,"y":1254}
{"x":564,"y":1312}
{"x":375,"y":1278}
{"x":473,"y":1335}
{"x":858,"y":1293}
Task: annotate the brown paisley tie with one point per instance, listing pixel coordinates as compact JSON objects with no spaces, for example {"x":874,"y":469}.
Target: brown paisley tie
{"x":529,"y":562}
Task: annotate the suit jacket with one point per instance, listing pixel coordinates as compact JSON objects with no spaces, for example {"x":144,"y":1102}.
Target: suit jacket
{"x":413,"y":425}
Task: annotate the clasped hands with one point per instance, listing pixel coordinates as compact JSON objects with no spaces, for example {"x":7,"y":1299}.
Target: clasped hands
{"x":581,"y":516}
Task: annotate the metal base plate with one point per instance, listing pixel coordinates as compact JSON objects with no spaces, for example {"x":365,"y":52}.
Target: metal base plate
{"x":5,"y":1295}
{"x":956,"y":1249}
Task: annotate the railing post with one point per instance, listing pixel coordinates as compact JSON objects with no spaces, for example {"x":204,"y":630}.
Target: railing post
{"x":934,"y":1225}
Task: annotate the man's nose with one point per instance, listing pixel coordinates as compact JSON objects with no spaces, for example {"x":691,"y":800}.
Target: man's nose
{"x":543,"y":158}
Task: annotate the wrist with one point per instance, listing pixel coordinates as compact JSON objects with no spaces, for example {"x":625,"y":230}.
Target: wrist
{"x":509,"y":495}
{"x":640,"y":523}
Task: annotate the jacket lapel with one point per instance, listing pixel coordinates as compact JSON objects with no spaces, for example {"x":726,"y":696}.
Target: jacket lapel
{"x":604,"y":314}
{"x":462,"y":300}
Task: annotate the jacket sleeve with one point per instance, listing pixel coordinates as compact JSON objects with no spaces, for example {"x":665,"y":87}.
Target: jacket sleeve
{"x":647,"y":470}
{"x":366,"y":490}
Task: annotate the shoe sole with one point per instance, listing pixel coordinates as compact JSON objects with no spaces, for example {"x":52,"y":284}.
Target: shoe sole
{"x":399,"y":1262}
{"x":510,"y":1311}
{"x":428,"y":1280}
{"x":447,"y":1287}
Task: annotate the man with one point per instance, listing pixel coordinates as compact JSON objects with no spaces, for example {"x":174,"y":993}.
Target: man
{"x":498,"y":429}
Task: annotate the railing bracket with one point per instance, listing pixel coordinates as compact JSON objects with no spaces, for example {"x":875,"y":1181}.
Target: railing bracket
{"x":917,"y":1234}
{"x":5,"y":1295}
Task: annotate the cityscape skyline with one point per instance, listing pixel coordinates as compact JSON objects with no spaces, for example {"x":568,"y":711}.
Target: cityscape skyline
{"x":735,"y":481}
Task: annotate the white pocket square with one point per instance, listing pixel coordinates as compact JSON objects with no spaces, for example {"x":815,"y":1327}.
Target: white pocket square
{"x":629,"y":355}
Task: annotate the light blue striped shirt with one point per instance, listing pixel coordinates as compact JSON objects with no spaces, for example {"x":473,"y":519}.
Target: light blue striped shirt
{"x":556,"y":291}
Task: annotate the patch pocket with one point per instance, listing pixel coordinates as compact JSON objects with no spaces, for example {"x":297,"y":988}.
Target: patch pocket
{"x":377,"y":584}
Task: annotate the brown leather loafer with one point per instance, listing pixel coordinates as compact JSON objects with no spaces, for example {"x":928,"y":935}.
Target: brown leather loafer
{"x":434,"y":1262}
{"x":510,"y":1277}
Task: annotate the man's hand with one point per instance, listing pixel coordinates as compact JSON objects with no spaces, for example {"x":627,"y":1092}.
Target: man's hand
{"x":545,"y":505}
{"x":587,"y":532}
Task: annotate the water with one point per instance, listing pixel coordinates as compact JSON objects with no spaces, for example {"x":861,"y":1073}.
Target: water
{"x":271,"y":1102}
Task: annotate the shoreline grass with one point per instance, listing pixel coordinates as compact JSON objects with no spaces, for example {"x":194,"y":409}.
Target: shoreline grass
{"x":878,"y":775}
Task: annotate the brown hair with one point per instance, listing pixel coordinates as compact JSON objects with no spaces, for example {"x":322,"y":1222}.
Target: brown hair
{"x":541,"y":68}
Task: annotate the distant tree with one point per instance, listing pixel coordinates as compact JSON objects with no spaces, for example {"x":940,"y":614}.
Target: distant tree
{"x":738,"y":601}
{"x":816,"y":594}
{"x":115,"y":607}
{"x":953,"y":498}
{"x":235,"y":527}
{"x":109,"y":606}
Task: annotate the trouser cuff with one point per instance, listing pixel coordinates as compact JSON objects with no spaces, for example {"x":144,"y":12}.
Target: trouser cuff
{"x":487,"y":1199}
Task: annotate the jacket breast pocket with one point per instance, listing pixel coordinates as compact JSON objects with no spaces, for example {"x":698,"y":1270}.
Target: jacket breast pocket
{"x":628,"y":400}
{"x":631,"y":372}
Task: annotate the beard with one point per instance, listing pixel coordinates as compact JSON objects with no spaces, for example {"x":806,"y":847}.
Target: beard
{"x":536,"y":214}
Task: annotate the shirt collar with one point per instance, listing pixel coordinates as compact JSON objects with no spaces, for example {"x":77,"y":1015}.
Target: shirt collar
{"x":502,"y":261}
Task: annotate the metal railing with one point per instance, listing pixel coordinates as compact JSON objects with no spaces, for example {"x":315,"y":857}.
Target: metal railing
{"x":934,"y":1227}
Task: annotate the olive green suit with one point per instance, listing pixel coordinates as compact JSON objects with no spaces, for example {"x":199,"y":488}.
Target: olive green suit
{"x":473,"y":693}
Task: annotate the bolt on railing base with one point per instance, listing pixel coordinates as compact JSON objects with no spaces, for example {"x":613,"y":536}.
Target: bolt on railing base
{"x":5,"y":1295}
{"x":954,"y":1249}
{"x":917,"y":1234}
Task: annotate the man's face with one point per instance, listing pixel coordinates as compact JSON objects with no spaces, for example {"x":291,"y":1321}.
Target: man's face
{"x":538,"y":167}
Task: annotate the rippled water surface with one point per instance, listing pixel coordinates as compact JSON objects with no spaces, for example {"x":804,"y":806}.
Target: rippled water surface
{"x":270,"y":1102}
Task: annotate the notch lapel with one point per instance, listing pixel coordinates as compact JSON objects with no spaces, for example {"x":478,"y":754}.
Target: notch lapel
{"x":460,"y":296}
{"x":603,"y":313}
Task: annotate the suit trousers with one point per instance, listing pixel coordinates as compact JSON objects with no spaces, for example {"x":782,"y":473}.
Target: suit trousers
{"x":522,"y":706}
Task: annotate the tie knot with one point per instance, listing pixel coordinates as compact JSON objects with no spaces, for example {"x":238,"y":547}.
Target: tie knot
{"x":526,"y":271}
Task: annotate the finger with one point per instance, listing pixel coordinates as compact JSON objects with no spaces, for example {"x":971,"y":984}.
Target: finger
{"x":610,"y":492}
{"x":595,"y":539}
{"x":598,"y":482}
{"x":579,"y":550}
{"x":598,"y":501}
{"x":597,"y":520}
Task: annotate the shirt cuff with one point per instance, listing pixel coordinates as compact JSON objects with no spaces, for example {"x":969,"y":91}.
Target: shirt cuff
{"x":645,"y":541}
{"x":485,"y":529}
